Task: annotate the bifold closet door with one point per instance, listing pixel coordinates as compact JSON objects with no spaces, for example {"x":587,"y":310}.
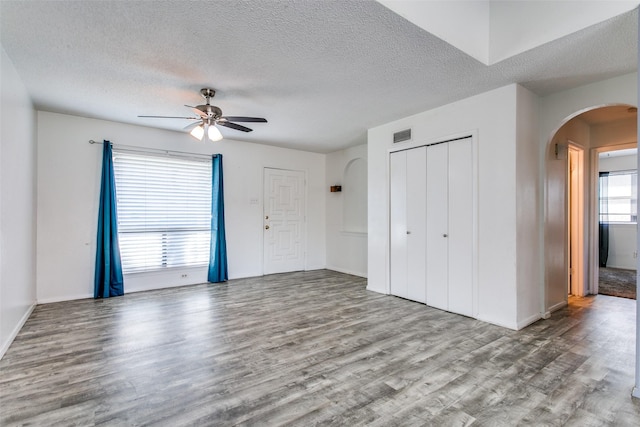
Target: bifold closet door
{"x":407,"y":223}
{"x":460,"y":236}
{"x":398,"y":223}
{"x":416,"y":224}
{"x":431,"y":225}
{"x":437,"y":256}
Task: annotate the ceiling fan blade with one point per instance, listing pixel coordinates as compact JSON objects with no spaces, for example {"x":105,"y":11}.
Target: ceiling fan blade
{"x":234,"y":126}
{"x":198,"y":110}
{"x":169,"y":117}
{"x":245,"y":119}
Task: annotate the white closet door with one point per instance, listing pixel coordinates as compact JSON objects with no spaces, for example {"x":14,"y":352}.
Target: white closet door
{"x":460,"y":251}
{"x":437,"y":226}
{"x":416,"y":221}
{"x":398,"y":223}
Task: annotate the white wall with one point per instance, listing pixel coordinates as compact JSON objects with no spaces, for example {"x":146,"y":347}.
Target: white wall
{"x":347,"y":211}
{"x":17,"y":204}
{"x":491,"y":31}
{"x":622,"y":237}
{"x":555,"y":111}
{"x":527,"y":208}
{"x":618,"y":163}
{"x":517,"y":26}
{"x":471,"y":32}
{"x":622,"y":246}
{"x":68,"y":188}
{"x":492,"y":117}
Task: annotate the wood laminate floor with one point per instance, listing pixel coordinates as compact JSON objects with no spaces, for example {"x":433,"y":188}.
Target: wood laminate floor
{"x":314,"y":348}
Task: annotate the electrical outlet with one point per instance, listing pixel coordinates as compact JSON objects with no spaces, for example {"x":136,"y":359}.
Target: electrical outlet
{"x":184,"y":276}
{"x":635,"y":255}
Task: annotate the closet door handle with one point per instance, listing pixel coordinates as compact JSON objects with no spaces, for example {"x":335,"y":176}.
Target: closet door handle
{"x":408,"y":232}
{"x":445,"y":235}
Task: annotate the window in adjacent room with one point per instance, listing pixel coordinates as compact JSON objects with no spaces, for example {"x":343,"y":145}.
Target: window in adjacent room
{"x":164,"y":210}
{"x":618,"y":197}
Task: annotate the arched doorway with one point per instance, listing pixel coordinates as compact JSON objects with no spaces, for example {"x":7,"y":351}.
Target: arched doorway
{"x":571,"y":210}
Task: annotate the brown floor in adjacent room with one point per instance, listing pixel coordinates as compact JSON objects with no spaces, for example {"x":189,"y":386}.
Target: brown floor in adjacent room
{"x":314,"y":348}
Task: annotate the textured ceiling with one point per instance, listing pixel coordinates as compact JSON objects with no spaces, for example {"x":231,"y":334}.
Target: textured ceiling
{"x":321,"y":72}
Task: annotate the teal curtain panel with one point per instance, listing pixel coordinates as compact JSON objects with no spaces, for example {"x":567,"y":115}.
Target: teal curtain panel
{"x":108,"y":280}
{"x":218,"y":252}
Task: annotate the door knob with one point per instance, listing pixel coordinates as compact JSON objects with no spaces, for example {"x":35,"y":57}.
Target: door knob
{"x":408,"y":232}
{"x":445,"y":235}
{"x":266,"y":227}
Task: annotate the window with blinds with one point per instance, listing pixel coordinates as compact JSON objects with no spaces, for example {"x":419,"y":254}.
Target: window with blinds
{"x":618,"y":197}
{"x":164,"y":211}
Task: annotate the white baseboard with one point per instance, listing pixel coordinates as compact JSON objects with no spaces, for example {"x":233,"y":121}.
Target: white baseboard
{"x":529,"y":320}
{"x":512,"y":326}
{"x":557,"y":306}
{"x":622,"y":267}
{"x":315,"y":267}
{"x":61,"y":299}
{"x":346,"y":271}
{"x":16,"y":330}
{"x":636,"y":392}
{"x":380,"y":291}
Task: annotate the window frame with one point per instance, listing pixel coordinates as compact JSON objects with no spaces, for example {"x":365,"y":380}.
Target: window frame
{"x":168,"y":195}
{"x":631,"y":197}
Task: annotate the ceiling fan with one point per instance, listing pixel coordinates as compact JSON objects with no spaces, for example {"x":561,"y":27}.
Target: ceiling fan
{"x":208,"y":116}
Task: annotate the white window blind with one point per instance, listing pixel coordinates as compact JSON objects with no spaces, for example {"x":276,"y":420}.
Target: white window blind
{"x":164,"y":211}
{"x":618,"y":197}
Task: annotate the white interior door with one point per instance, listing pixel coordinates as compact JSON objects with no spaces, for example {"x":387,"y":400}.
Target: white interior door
{"x":284,"y":220}
{"x":460,"y":235}
{"x":577,"y":264}
{"x":572,"y":283}
{"x":398,"y":224}
{"x":417,"y":224}
{"x":437,"y":227}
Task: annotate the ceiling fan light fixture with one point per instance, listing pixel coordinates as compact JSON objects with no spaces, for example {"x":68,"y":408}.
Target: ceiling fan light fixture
{"x":197,"y":132}
{"x":208,"y":116}
{"x":213,"y":133}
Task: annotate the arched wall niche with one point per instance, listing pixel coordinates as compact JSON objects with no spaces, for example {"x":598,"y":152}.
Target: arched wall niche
{"x":354,"y":196}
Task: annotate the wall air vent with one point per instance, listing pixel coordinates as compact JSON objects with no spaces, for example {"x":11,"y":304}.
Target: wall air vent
{"x":403,"y":135}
